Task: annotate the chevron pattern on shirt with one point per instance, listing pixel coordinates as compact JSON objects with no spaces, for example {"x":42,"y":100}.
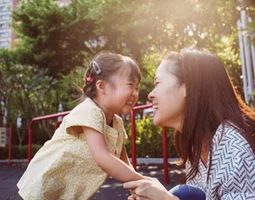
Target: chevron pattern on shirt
{"x":232,"y":174}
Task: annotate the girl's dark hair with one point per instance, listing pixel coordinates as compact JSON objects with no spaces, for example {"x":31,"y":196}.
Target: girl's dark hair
{"x":211,"y":100}
{"x":111,"y":65}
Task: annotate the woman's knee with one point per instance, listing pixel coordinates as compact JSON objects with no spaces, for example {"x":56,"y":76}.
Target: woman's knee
{"x":187,"y":192}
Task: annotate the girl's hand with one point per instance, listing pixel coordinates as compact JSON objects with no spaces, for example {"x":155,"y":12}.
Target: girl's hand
{"x":150,"y":189}
{"x":131,"y":197}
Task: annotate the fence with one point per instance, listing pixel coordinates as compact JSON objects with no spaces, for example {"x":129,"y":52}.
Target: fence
{"x":133,"y":137}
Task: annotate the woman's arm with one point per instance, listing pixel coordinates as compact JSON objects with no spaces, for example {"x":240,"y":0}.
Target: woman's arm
{"x":240,"y":182}
{"x":149,"y":189}
{"x":105,"y":160}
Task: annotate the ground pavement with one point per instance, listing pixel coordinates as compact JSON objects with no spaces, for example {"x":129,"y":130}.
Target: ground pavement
{"x":111,"y":189}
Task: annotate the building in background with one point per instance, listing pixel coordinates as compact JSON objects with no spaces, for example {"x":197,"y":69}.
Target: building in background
{"x":6,"y":34}
{"x":63,"y":2}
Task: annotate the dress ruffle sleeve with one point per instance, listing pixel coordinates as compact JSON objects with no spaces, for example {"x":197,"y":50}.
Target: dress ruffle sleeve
{"x":84,"y":115}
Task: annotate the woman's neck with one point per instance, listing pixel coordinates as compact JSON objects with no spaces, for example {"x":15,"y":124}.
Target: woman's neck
{"x":204,"y":154}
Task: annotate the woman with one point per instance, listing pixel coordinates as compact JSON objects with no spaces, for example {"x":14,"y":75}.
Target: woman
{"x":215,"y":130}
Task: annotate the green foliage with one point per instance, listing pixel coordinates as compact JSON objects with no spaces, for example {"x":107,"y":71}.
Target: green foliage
{"x":148,"y":142}
{"x":60,"y":38}
{"x":55,"y":43}
{"x":18,"y":152}
{"x":52,"y":37}
{"x":149,"y":139}
{"x":151,"y":59}
{"x":70,"y":87}
{"x":25,"y":91}
{"x":251,"y":25}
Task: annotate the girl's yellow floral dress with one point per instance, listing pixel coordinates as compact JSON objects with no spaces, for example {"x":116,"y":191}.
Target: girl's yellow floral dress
{"x":64,"y":167}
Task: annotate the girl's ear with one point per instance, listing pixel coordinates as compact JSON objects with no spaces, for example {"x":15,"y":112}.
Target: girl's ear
{"x":100,"y":86}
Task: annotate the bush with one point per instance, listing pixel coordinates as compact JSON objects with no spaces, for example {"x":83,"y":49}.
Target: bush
{"x":149,"y":139}
{"x":148,"y":142}
{"x":18,"y":152}
{"x":3,"y":152}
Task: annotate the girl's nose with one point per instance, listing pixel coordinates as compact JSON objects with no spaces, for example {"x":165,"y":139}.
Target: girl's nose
{"x":135,"y":93}
{"x":151,"y":96}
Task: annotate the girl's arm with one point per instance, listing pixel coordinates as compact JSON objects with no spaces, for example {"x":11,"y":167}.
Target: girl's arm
{"x":124,"y":157}
{"x":148,"y":189}
{"x":105,"y":160}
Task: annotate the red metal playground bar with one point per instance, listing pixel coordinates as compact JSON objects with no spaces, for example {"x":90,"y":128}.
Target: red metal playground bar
{"x":133,"y":137}
{"x":30,"y":130}
{"x":133,"y":144}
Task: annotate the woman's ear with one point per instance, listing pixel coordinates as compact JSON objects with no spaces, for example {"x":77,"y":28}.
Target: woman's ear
{"x":184,"y":90}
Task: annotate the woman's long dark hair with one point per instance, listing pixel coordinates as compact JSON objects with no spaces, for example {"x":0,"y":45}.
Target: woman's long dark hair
{"x":211,"y":100}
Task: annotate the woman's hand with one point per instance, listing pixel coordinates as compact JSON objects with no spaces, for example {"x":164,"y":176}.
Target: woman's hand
{"x":150,"y":189}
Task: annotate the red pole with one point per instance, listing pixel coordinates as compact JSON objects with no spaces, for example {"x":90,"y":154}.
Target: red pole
{"x":142,"y":107}
{"x":57,"y":124}
{"x":10,"y":146}
{"x":29,"y":156}
{"x":133,"y":136}
{"x":30,"y":141}
{"x":165,"y":157}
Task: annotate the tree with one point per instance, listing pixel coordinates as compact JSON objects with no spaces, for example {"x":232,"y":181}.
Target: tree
{"x":60,"y":38}
{"x":55,"y":44}
{"x":25,"y":91}
{"x":52,"y":37}
{"x":7,"y":61}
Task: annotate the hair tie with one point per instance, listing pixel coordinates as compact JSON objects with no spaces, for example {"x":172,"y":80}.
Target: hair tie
{"x":96,"y":67}
{"x":90,"y":79}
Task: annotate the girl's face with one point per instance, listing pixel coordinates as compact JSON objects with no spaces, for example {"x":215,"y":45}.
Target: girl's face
{"x":168,"y":97}
{"x":124,"y":95}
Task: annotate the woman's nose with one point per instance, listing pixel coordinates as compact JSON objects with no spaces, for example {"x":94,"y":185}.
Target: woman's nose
{"x":151,"y":96}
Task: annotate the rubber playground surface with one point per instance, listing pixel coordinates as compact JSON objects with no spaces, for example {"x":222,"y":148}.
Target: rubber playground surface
{"x":111,"y":189}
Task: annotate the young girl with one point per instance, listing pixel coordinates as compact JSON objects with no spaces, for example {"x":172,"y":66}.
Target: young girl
{"x":89,"y":144}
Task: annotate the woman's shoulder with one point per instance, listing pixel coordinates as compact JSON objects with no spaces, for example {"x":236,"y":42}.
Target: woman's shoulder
{"x":228,"y":138}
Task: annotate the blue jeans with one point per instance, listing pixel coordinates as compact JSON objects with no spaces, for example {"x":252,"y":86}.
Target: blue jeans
{"x":187,"y":192}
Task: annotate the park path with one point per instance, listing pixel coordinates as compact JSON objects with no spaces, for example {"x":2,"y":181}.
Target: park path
{"x":111,"y":189}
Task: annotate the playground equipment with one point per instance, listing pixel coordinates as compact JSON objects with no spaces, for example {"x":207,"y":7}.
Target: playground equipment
{"x":247,"y":53}
{"x":6,"y":139}
{"x":30,"y":130}
{"x":133,"y":144}
{"x":133,"y":137}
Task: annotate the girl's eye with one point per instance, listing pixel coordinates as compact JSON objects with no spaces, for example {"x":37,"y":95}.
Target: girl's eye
{"x":156,"y":83}
{"x":132,"y":85}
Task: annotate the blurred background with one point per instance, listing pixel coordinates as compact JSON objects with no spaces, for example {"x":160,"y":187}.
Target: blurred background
{"x":46,"y":45}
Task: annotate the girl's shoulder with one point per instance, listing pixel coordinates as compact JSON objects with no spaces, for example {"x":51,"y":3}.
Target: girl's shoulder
{"x":85,"y":111}
{"x":118,"y":122}
{"x":118,"y":119}
{"x":86,"y":106}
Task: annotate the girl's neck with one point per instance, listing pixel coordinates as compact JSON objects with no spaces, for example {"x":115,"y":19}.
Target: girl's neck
{"x":108,"y":115}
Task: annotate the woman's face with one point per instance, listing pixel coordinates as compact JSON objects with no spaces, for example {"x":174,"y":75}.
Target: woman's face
{"x":168,"y":97}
